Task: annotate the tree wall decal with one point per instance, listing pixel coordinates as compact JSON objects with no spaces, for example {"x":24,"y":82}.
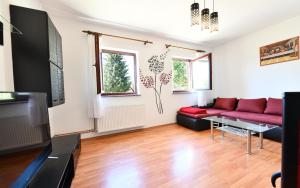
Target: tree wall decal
{"x":156,"y":66}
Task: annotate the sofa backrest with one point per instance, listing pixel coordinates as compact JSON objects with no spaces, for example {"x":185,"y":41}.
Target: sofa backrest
{"x":274,"y":106}
{"x":252,"y":105}
{"x":225,"y":103}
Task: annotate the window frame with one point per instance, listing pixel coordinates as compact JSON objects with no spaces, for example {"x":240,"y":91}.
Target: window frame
{"x":191,"y":80}
{"x":135,"y":93}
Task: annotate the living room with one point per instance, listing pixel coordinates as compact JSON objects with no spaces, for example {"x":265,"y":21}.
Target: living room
{"x":133,"y":137}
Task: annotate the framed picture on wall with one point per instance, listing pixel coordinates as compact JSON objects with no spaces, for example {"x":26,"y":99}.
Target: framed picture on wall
{"x":283,"y":51}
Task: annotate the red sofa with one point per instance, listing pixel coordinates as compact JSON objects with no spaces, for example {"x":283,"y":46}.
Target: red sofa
{"x":257,"y":110}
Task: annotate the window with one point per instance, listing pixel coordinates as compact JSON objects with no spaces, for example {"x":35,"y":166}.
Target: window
{"x":201,"y":74}
{"x":181,"y":74}
{"x":118,"y":73}
{"x":191,"y":75}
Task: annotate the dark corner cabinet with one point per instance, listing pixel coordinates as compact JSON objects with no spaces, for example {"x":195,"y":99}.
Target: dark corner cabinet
{"x":37,"y":54}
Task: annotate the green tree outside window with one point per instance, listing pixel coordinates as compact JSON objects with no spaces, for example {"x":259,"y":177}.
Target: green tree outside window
{"x":180,"y":79}
{"x":116,"y":74}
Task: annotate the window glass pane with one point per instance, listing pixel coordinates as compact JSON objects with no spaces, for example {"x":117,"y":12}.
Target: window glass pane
{"x":118,"y":73}
{"x":180,"y":74}
{"x":201,"y":74}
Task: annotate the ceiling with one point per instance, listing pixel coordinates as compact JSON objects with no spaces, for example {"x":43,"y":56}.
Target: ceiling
{"x":171,"y":18}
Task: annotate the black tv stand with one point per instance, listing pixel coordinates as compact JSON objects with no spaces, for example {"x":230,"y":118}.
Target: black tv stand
{"x":58,"y":169}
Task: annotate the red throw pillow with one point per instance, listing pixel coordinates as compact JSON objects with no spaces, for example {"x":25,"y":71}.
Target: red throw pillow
{"x":192,"y":110}
{"x":274,"y":106}
{"x":225,"y":103}
{"x":252,"y":105}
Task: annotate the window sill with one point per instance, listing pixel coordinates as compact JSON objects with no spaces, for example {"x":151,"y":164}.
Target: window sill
{"x":120,"y":95}
{"x":183,"y":92}
{"x":190,"y":91}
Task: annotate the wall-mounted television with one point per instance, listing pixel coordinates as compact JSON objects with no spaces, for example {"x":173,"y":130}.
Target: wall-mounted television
{"x":24,"y":122}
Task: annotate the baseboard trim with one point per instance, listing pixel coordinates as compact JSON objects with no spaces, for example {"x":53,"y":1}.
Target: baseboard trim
{"x":90,"y":135}
{"x":76,"y":132}
{"x":81,"y":132}
{"x":149,"y":126}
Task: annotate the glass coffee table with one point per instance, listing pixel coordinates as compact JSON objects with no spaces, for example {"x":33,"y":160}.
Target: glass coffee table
{"x":239,"y":127}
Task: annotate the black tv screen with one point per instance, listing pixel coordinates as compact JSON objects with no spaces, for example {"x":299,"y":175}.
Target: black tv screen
{"x":24,"y":122}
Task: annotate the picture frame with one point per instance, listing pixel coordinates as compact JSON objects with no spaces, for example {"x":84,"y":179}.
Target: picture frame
{"x":279,"y":52}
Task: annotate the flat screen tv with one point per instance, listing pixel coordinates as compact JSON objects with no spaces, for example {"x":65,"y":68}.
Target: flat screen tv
{"x":24,"y":122}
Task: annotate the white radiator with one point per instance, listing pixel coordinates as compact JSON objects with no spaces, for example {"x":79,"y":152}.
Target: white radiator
{"x":121,"y":117}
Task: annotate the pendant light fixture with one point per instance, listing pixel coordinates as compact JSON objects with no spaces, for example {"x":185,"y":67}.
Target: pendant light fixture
{"x":214,"y":20}
{"x":195,"y":14}
{"x":205,"y":18}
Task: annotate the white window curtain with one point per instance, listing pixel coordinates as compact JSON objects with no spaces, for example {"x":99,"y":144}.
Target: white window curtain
{"x":204,"y":97}
{"x":95,"y":102}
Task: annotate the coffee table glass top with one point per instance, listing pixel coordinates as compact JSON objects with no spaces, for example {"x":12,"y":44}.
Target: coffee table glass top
{"x":242,"y":124}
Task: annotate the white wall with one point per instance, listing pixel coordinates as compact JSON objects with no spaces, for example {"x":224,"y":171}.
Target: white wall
{"x":237,"y":70}
{"x":73,"y":115}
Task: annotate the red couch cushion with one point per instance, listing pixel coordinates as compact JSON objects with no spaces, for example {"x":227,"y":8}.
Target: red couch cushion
{"x":274,"y":106}
{"x":225,"y":103}
{"x":192,"y":110}
{"x":252,"y":105}
{"x":209,"y":112}
{"x":261,"y":118}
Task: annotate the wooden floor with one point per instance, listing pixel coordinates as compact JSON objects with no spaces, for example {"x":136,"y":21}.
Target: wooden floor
{"x":173,"y":156}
